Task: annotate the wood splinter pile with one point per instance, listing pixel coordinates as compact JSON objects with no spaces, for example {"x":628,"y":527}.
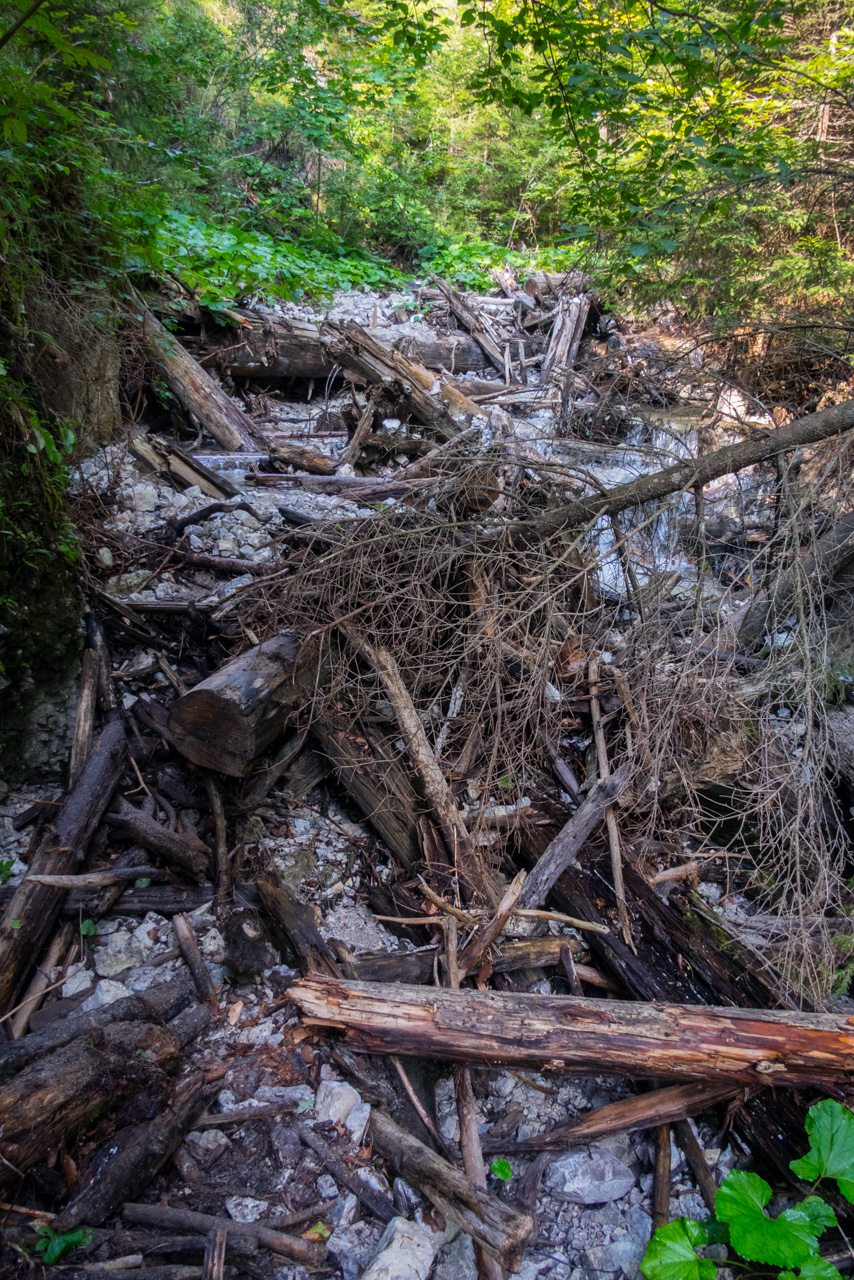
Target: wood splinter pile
{"x":658,"y":999}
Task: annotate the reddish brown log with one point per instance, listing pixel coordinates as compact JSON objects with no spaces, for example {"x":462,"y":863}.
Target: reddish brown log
{"x":749,"y":1046}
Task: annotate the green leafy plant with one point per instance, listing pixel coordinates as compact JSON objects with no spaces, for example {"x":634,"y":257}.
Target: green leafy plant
{"x":6,"y":865}
{"x":88,"y":928}
{"x":52,"y":1246}
{"x":501,"y":1169}
{"x":740,"y":1221}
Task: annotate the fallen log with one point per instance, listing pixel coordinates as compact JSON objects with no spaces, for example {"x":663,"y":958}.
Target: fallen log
{"x":506,"y":957}
{"x":744,"y":1046}
{"x":131,"y":1159}
{"x":438,"y":409}
{"x":501,"y":1230}
{"x":285,"y":454}
{"x":161,"y":1003}
{"x":229,"y":719}
{"x":694,"y":472}
{"x":158,"y":1215}
{"x":812,"y":575}
{"x":646,"y":1111}
{"x":479,"y":328}
{"x":181,"y":468}
{"x":562,"y":851}
{"x":194,"y":388}
{"x":184,"y":850}
{"x":272,"y":348}
{"x":53,"y":1098}
{"x":33,"y":909}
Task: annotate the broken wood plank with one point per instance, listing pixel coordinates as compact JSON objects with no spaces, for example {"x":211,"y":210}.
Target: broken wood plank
{"x":562,"y":851}
{"x":500,"y":1229}
{"x":284,"y":454}
{"x":478,"y":327}
{"x":746,"y":1046}
{"x":226,"y":721}
{"x":193,"y":958}
{"x":294,"y":920}
{"x":84,"y":723}
{"x":566,"y":334}
{"x":33,"y":909}
{"x":180,"y":467}
{"x":379,"y":1205}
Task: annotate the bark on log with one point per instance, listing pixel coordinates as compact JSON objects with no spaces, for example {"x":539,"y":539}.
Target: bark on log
{"x":53,"y":1098}
{"x":566,"y":334}
{"x":659,"y":1106}
{"x":418,"y":966}
{"x":497,"y":1227}
{"x":832,"y":552}
{"x":284,"y":454}
{"x":33,"y":909}
{"x":160,"y":1004}
{"x":562,"y":851}
{"x":186,"y":851}
{"x":747,"y":1046}
{"x":84,"y":723}
{"x":156,"y":1215}
{"x":131,"y":1159}
{"x":195,"y":390}
{"x":229,"y":719}
{"x":694,"y":472}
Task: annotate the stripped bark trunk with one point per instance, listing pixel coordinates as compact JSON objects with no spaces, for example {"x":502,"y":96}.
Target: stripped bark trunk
{"x":745,"y":1046}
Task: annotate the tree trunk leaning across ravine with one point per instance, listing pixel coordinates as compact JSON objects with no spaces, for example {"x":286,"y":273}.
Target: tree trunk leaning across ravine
{"x":693,"y":472}
{"x":30,"y":916}
{"x":194,"y":388}
{"x":667,"y":1041}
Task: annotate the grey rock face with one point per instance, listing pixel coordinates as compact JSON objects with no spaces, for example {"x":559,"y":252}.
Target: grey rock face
{"x":589,"y":1179}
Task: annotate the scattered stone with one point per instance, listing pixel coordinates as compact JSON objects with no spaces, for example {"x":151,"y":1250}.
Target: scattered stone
{"x":206,"y":1145}
{"x":352,"y":1247}
{"x":581,"y":1178}
{"x":106,"y":992}
{"x":80,"y":979}
{"x":327,"y":1187}
{"x":457,"y":1260}
{"x":245,"y":1208}
{"x":123,"y":951}
{"x":357,"y":1122}
{"x":405,"y":1252}
{"x":334,"y":1102}
{"x":623,"y":1256}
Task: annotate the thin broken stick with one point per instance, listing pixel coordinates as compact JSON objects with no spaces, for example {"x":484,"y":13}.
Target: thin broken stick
{"x":610,"y":817}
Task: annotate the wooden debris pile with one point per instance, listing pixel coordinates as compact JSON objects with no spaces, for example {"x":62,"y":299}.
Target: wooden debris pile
{"x":454,"y":668}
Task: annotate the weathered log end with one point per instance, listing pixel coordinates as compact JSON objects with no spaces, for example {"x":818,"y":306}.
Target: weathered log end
{"x":228,"y":720}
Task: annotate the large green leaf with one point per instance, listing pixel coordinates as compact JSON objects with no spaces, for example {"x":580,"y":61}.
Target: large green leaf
{"x":830,"y":1128}
{"x":672,"y":1252}
{"x":816,"y":1269}
{"x":790,"y":1239}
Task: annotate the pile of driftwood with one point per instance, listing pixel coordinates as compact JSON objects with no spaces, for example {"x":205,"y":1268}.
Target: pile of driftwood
{"x":655,"y":990}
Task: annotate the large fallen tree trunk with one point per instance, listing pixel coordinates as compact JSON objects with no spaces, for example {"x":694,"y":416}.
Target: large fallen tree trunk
{"x":668,"y":1041}
{"x":294,"y":349}
{"x":195,"y":389}
{"x":30,"y":916}
{"x":694,"y":472}
{"x":227,"y":720}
